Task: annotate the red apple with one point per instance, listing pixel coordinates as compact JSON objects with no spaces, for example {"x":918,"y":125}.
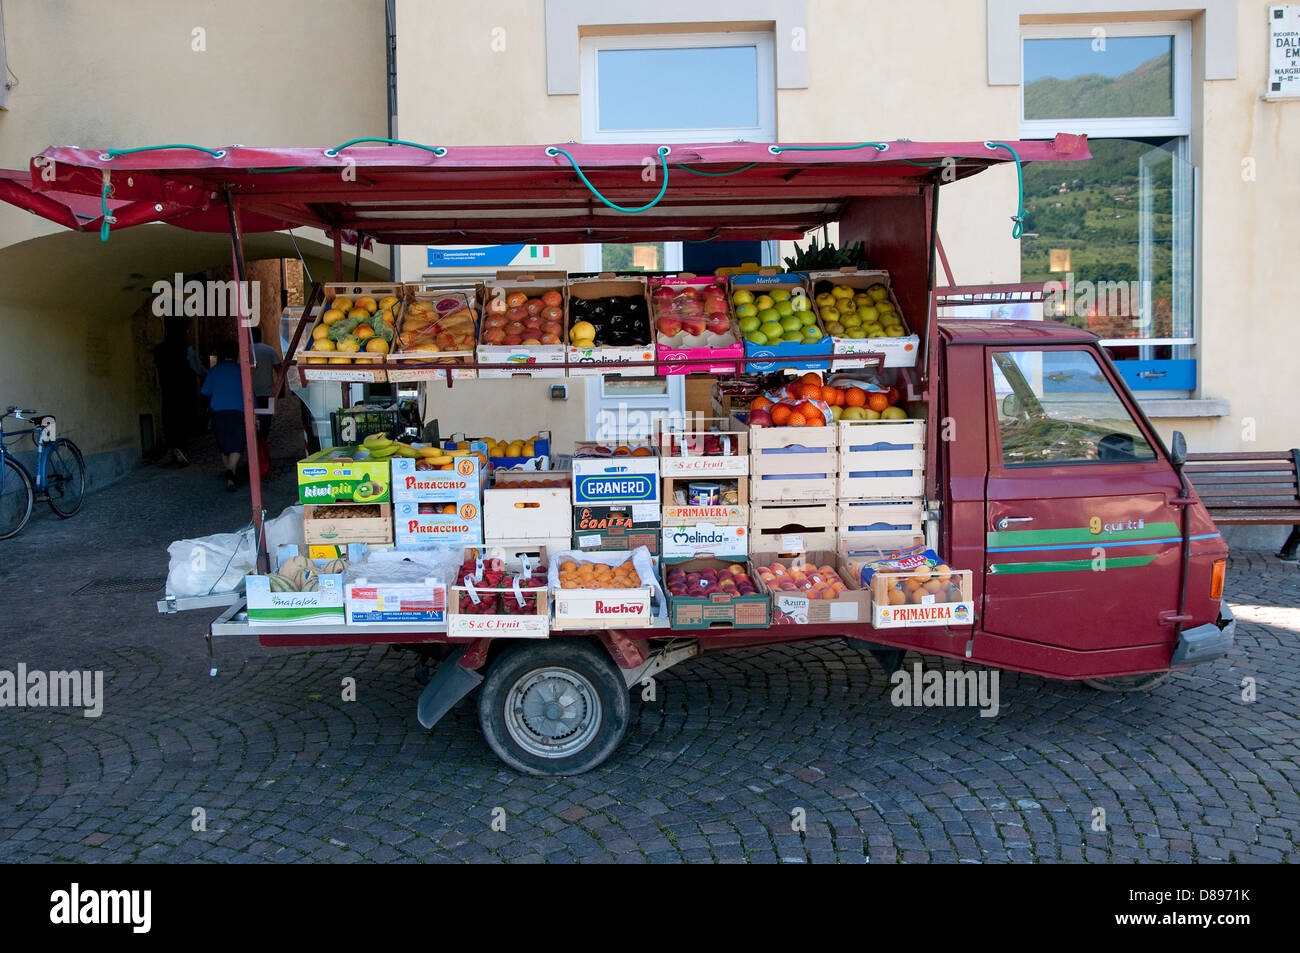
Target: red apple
{"x":718,"y":323}
{"x":715,"y":305}
{"x":668,"y":326}
{"x":760,"y":418}
{"x":693,"y":324}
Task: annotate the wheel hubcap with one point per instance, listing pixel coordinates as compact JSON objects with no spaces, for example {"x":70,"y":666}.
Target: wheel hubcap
{"x":553,"y":712}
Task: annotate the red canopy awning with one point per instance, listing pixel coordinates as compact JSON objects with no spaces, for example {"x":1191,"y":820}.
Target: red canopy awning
{"x":406,"y":194}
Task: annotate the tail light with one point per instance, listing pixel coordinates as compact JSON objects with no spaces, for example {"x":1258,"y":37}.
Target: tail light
{"x":1216,"y":579}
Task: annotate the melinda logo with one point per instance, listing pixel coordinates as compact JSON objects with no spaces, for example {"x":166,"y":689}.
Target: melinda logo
{"x":77,"y":906}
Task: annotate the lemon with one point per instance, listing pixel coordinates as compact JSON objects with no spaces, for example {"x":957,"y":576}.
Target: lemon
{"x":332,"y":315}
{"x":349,"y":344}
{"x":584,"y":331}
{"x":387,"y":302}
{"x":377,"y":346}
{"x":358,"y":313}
{"x":323,"y":344}
{"x":364,"y":331}
{"x":342,"y":304}
{"x":340,"y":360}
{"x":319,"y":332}
{"x":318,"y":360}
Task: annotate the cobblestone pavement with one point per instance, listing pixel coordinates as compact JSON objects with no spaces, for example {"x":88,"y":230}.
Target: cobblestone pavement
{"x":712,"y":770}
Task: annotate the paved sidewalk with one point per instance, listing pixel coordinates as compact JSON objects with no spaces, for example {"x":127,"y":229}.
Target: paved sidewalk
{"x":283,"y":770}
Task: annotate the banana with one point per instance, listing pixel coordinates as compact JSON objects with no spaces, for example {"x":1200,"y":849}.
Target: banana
{"x":405,"y":450}
{"x":383,"y":453}
{"x":429,"y":450}
{"x":376,"y":441}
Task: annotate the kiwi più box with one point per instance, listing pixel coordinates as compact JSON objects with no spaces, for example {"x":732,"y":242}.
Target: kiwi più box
{"x":852,"y":605}
{"x":336,"y":474}
{"x":607,"y":286}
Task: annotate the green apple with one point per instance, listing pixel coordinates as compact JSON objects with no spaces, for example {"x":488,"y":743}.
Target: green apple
{"x":894,"y":332}
{"x":784,"y":308}
{"x":854,"y":413}
{"x":791,"y":323}
{"x":869,"y":414}
{"x":863,"y":298}
{"x":792,"y":337}
{"x":825,"y":299}
{"x":868,"y":314}
{"x":746,"y":311}
{"x":768,"y":314}
{"x":800,"y":303}
{"x":806,"y":318}
{"x":893,"y":413}
{"x":851,"y":321}
{"x":835,"y":328}
{"x":837,"y":413}
{"x":756,"y":337}
{"x":875,"y":331}
{"x":828,"y":315}
{"x":772,"y":330}
{"x":846,"y":306}
{"x":812,"y":335}
{"x":856,"y":333}
{"x":885,"y":305}
{"x":742,"y":297}
{"x":763,"y":302}
{"x":779,"y":294}
{"x":749,"y":323}
{"x":878,"y":291}
{"x":840,"y":292}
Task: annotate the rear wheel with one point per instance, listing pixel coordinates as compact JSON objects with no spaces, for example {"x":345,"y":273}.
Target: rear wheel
{"x":16,"y":499}
{"x":65,"y":478}
{"x":1127,"y":683}
{"x":554,"y":708}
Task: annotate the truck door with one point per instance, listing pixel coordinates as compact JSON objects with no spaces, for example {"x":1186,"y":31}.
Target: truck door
{"x":1082,"y":545}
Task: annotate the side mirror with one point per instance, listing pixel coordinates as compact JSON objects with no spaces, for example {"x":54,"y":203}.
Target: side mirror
{"x":1178,"y":449}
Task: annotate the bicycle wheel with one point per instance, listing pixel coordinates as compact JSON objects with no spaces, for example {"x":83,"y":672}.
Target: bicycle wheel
{"x":16,"y":498}
{"x":65,"y":478}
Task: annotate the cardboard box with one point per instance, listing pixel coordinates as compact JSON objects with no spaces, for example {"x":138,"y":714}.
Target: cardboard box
{"x":528,"y":360}
{"x":604,"y":608}
{"x":416,"y":530}
{"x":881,"y":459}
{"x":890,"y":352}
{"x":719,"y":609}
{"x":265,"y":607}
{"x":852,"y":605}
{"x":895,"y":605}
{"x":334,"y":475}
{"x":793,"y":463}
{"x":417,"y":362}
{"x":511,"y":511}
{"x":685,"y":451}
{"x":614,"y":479}
{"x":603,"y":287}
{"x":461,"y":484}
{"x":727,"y":350}
{"x":616,"y":527}
{"x":725,"y":513}
{"x":540,"y":460}
{"x":358,"y":371}
{"x":762,"y":358}
{"x":697,"y":540}
{"x":326,"y":524}
{"x":793,"y":527}
{"x":530,"y":621}
{"x":396,"y":603}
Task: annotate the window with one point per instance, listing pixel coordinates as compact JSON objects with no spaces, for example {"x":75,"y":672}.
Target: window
{"x":699,"y":87}
{"x":1116,"y":233}
{"x":1058,"y":407}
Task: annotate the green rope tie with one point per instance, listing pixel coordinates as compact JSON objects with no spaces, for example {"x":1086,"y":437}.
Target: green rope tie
{"x":1018,"y":220}
{"x":111,"y":154}
{"x":663,"y":152}
{"x":436,"y":150}
{"x":739,"y":168}
{"x":777,"y":150}
{"x":104,"y":217}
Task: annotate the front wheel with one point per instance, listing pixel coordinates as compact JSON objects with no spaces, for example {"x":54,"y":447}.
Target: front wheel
{"x":16,"y":498}
{"x":65,"y":478}
{"x":554,"y":708}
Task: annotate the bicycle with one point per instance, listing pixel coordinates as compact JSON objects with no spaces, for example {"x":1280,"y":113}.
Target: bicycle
{"x":60,"y":478}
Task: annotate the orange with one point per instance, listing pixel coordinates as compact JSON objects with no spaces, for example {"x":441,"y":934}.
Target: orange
{"x":808,"y":391}
{"x":815,"y":421}
{"x":781,"y":414}
{"x":759,"y":403}
{"x":855,"y":397}
{"x":809,"y":410}
{"x":568,"y":566}
{"x":812,"y":378}
{"x":878,"y":402}
{"x":831,"y":395}
{"x":796,"y":419}
{"x":641,"y":452}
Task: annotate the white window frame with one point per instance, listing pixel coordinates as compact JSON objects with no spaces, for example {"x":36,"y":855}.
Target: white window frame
{"x":763,"y":43}
{"x":1127,"y":127}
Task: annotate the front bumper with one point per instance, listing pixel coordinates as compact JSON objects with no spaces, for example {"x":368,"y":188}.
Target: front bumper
{"x":1205,"y":643}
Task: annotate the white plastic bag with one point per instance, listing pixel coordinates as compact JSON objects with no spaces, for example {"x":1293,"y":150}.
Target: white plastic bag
{"x":210,"y":564}
{"x":394,"y":566}
{"x":285,"y":529}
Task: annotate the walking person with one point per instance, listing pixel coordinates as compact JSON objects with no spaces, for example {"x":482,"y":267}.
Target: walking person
{"x":265,"y":361}
{"x":225,"y":392}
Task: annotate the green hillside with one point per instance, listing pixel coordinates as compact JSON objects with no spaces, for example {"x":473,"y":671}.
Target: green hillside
{"x":1144,"y":91}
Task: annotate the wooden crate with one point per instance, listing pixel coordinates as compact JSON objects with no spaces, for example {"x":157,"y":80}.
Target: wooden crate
{"x":881,"y":459}
{"x":793,"y":463}
{"x":723,"y":514}
{"x":520,"y":512}
{"x":792,"y":526}
{"x":876,"y":523}
{"x":894,"y":606}
{"x":356,"y":370}
{"x":533,"y":622}
{"x":424,"y":365}
{"x":681,"y":449}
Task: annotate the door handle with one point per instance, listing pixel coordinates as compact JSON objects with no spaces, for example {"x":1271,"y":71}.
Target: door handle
{"x":1008,"y":520}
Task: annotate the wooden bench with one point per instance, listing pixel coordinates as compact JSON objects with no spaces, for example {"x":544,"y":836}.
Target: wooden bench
{"x":1252,"y":489}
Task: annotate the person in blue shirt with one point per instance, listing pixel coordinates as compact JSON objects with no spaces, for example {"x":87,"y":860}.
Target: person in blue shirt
{"x":225,"y":392}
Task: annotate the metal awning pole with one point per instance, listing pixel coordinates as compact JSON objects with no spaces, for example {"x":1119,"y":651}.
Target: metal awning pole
{"x":243,"y":331}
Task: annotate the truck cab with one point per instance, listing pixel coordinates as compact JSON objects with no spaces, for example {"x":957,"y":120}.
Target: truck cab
{"x":1091,"y":555}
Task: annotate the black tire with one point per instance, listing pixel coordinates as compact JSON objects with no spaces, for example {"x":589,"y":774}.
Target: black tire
{"x":584,"y":734}
{"x":65,"y":478}
{"x":1127,"y":683}
{"x":16,"y":499}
